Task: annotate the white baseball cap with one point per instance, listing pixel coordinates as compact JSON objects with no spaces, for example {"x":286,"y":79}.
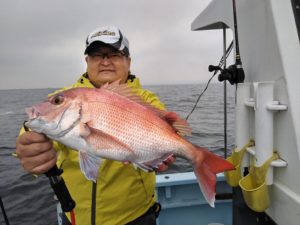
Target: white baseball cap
{"x":109,"y":35}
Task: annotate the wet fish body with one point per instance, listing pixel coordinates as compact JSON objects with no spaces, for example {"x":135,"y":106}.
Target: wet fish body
{"x":114,"y":123}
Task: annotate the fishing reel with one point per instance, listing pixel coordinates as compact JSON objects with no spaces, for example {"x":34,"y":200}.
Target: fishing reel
{"x":234,"y":73}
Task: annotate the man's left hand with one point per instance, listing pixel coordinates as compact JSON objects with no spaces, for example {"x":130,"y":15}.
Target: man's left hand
{"x":165,"y":165}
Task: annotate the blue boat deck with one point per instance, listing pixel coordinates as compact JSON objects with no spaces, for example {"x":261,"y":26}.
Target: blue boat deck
{"x":183,"y":203}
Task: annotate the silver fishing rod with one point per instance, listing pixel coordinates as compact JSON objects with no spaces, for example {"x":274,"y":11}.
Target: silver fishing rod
{"x":225,"y":92}
{"x":234,"y":73}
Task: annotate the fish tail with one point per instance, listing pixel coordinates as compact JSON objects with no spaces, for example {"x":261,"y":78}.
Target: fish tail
{"x":206,"y":165}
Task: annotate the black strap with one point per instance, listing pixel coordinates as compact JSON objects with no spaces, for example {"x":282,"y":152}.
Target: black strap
{"x":149,"y":217}
{"x":93,"y":207}
{"x":3,"y":212}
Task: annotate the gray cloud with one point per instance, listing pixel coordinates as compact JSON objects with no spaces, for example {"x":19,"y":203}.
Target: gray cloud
{"x":42,"y":42}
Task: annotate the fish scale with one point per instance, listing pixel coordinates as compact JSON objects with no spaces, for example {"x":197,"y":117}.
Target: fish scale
{"x":138,"y":134}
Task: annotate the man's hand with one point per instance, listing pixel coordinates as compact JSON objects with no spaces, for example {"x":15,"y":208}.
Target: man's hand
{"x":165,"y":165}
{"x":35,"y":152}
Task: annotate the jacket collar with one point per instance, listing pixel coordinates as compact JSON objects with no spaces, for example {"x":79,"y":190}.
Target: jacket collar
{"x":83,"y":81}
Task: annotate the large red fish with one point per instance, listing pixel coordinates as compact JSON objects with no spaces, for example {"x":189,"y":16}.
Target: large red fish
{"x":114,"y":123}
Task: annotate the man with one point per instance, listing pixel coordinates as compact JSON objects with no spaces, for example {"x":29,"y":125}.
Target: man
{"x":123,"y":194}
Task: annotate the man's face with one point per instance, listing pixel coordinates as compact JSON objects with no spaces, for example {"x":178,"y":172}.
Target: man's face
{"x":105,"y":64}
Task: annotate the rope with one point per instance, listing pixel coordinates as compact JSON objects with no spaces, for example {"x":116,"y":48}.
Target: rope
{"x":215,"y":73}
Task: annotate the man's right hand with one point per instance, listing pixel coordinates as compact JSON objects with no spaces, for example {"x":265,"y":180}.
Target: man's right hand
{"x":35,"y":152}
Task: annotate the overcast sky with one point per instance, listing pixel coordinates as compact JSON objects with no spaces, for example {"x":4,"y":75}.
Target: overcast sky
{"x":42,"y":42}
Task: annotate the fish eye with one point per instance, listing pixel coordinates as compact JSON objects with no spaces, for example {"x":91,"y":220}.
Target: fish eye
{"x":57,"y":100}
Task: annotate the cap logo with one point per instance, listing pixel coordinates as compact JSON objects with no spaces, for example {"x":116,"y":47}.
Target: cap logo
{"x":106,"y":32}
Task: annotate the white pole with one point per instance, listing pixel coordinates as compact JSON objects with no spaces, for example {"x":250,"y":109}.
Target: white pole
{"x":242,"y":123}
{"x":264,"y":126}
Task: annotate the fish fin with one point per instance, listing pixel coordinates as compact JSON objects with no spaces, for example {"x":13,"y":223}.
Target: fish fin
{"x":206,"y":164}
{"x":105,"y":141}
{"x":216,"y":163}
{"x":207,"y":181}
{"x":143,"y":167}
{"x":154,"y":164}
{"x":124,"y":90}
{"x":135,"y":166}
{"x":180,"y":125}
{"x":128,"y":92}
{"x":89,"y":165}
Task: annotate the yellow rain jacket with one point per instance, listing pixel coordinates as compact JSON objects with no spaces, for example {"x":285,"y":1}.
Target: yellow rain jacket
{"x":123,"y":192}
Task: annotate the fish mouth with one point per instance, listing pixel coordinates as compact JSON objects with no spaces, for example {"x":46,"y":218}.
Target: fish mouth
{"x":33,"y":119}
{"x":32,"y":113}
{"x":35,"y":122}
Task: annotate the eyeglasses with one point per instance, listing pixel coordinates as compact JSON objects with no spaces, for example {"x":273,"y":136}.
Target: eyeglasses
{"x":113,"y":56}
